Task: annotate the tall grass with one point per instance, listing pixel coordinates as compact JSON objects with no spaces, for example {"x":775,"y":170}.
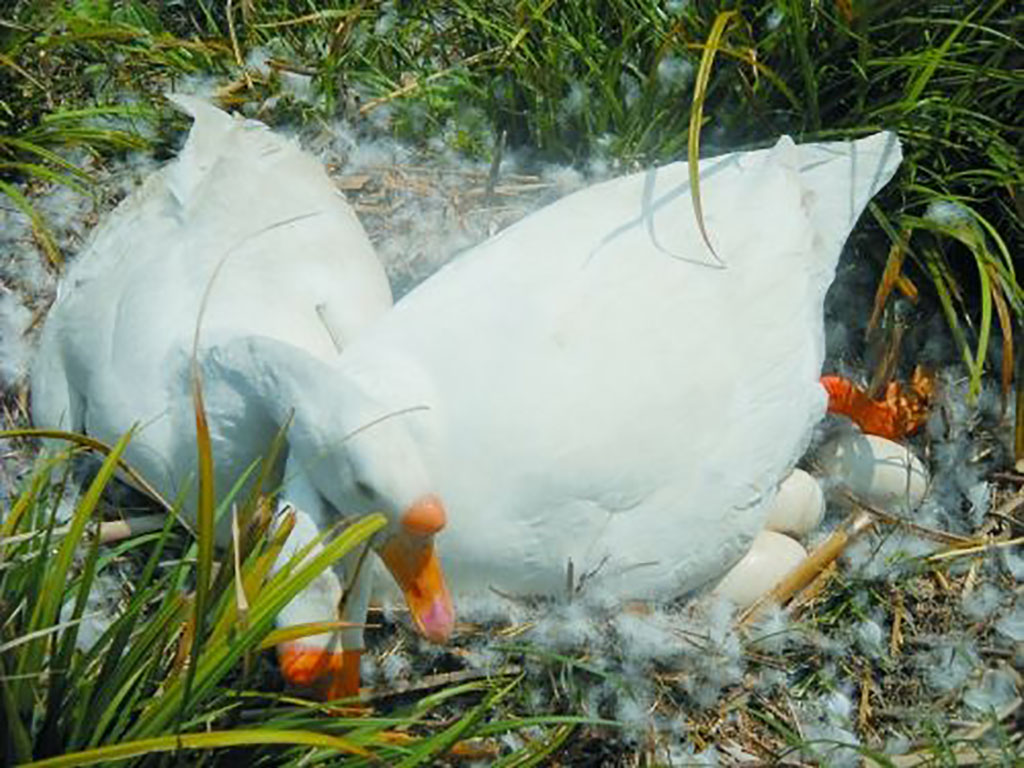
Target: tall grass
{"x":138,"y":681}
{"x":174,"y":672}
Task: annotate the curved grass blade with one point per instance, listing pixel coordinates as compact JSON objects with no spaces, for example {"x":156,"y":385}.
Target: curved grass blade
{"x":969,"y":234}
{"x":539,"y":750}
{"x":47,"y":155}
{"x":39,"y":228}
{"x":44,"y":173}
{"x":206,"y":740}
{"x":986,"y":325}
{"x":707,"y":59}
{"x":99,"y":447}
{"x":463,"y":728}
{"x":1006,"y":326}
{"x":748,"y":56}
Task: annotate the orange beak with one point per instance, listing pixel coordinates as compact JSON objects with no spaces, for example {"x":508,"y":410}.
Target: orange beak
{"x":409,"y":555}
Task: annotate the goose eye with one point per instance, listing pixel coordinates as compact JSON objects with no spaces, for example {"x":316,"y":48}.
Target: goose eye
{"x":365,"y":490}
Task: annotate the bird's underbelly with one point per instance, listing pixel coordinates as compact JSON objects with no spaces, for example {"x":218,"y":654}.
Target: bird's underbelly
{"x":645,"y":497}
{"x":660,"y":548}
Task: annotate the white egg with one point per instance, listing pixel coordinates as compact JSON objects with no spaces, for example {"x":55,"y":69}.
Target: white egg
{"x":771,"y":557}
{"x":798,"y":507}
{"x":881,"y":472}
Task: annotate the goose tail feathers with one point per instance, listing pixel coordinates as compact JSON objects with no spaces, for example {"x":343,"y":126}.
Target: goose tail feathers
{"x":211,"y":132}
{"x":837,"y":180}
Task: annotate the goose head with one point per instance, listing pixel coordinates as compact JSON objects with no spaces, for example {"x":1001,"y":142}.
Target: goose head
{"x":359,"y":456}
{"x":363,"y":459}
{"x":386,"y":474}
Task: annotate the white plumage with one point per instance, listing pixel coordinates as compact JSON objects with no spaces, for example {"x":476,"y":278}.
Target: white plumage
{"x":243,"y":237}
{"x":602,"y":391}
{"x":243,"y":216}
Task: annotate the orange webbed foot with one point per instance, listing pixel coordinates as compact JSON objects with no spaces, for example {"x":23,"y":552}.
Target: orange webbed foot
{"x":330,"y":674}
{"x":900,"y":414}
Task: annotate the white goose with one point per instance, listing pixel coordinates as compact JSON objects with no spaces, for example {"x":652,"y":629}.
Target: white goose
{"x":601,"y":390}
{"x":246,"y":218}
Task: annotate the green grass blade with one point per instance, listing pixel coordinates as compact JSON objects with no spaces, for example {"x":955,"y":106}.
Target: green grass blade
{"x":145,"y":655}
{"x":1006,"y":328}
{"x":205,"y":520}
{"x":986,"y":325}
{"x":218,"y":658}
{"x":205,"y":507}
{"x":498,"y":727}
{"x":47,"y":155}
{"x":20,"y":744}
{"x":1018,"y":432}
{"x":98,"y":694}
{"x":539,"y":750}
{"x":24,"y":503}
{"x":298,"y":631}
{"x":798,"y":27}
{"x":934,"y":57}
{"x":932,"y":263}
{"x":208,"y":740}
{"x":61,"y":665}
{"x":39,"y":228}
{"x":219,"y":587}
{"x":43,"y":173}
{"x":707,"y":60}
{"x":268,"y":463}
{"x":99,"y":447}
{"x":46,"y":608}
{"x":441,"y":742}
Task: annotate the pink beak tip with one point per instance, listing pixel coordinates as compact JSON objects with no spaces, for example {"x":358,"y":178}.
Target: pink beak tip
{"x":438,"y":621}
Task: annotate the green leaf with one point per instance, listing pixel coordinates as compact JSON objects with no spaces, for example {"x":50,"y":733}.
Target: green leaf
{"x":208,"y":740}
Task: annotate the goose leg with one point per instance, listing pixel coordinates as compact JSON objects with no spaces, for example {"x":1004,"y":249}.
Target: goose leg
{"x":317,"y":661}
{"x":308,"y":661}
{"x":355,"y":604}
{"x":876,"y":417}
{"x":320,"y":662}
{"x":902,"y":411}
